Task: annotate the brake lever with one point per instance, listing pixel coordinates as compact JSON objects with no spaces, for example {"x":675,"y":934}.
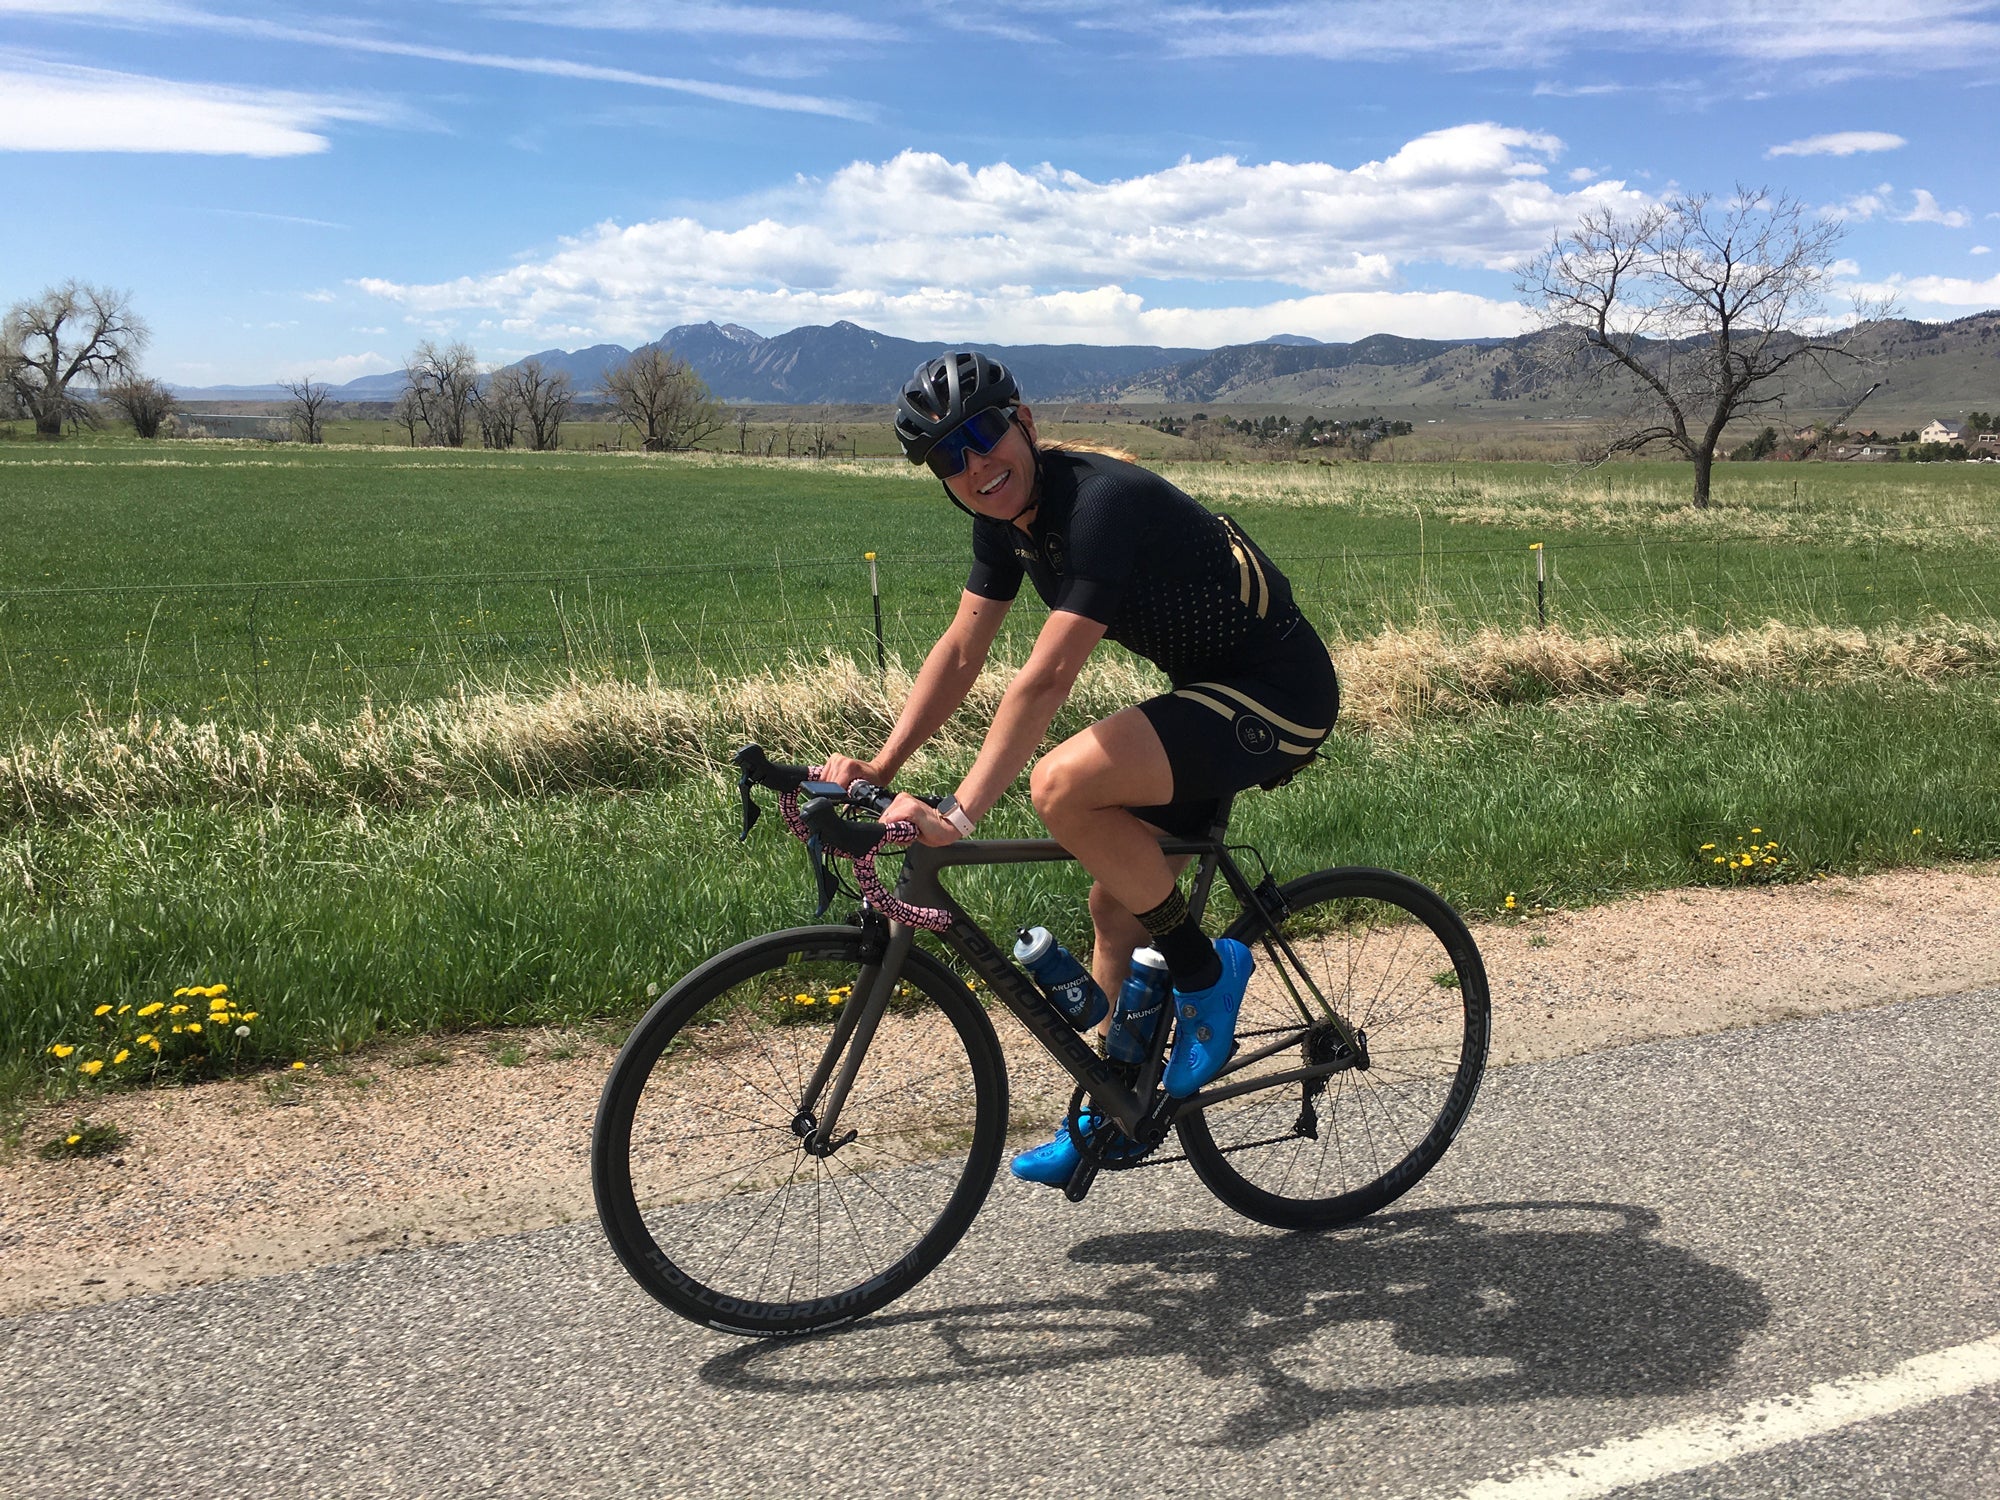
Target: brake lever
{"x":751,"y":811}
{"x":824,"y":880}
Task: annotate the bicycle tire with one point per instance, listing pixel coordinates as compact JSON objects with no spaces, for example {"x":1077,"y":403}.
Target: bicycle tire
{"x":1422,"y":1003}
{"x":714,"y":1073}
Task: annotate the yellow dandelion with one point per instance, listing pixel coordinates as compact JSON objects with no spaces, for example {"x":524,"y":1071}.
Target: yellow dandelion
{"x":153,"y":1042}
{"x":177,"y":1010}
{"x":62,"y":1050}
{"x":250,"y":1015}
{"x":183,"y":990}
{"x":71,"y":1141}
{"x":154,"y":1009}
{"x":298,"y":1067}
{"x":93,"y":1067}
{"x":1718,"y":859}
{"x":120,"y":1058}
{"x":102,"y":1010}
{"x":123,"y":1008}
{"x":1916,"y":833}
{"x":216,"y":989}
{"x":1756,"y":830}
{"x":177,"y":1030}
{"x":1707,"y":847}
{"x":144,"y":1037}
{"x":215,"y":1005}
{"x":194,"y":1028}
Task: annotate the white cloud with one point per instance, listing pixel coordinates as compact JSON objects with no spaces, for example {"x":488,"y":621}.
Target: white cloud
{"x":1980,"y":250}
{"x":321,"y":296}
{"x":1928,"y":212}
{"x":1927,"y":34}
{"x":920,"y":243}
{"x":1840,"y":143}
{"x":337,"y":370}
{"x":1931,"y":291}
{"x":762,"y":22}
{"x":48,"y":108}
{"x":1582,"y":174}
{"x":163,"y":15}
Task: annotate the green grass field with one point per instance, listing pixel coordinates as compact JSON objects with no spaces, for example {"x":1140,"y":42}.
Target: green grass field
{"x":239,"y":583}
{"x":391,"y":740}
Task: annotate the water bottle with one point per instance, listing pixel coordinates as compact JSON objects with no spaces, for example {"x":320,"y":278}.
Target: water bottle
{"x":1141,"y":1003}
{"x":1066,"y":982}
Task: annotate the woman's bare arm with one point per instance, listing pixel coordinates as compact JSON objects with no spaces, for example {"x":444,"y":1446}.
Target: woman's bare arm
{"x":949,"y":670}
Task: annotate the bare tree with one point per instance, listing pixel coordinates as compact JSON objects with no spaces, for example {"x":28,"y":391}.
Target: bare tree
{"x":71,"y":335}
{"x":1698,"y":310}
{"x":408,"y":413}
{"x":498,"y":407}
{"x":443,"y":385}
{"x":539,"y":396}
{"x":309,"y":400}
{"x":661,"y":398}
{"x":146,"y":404}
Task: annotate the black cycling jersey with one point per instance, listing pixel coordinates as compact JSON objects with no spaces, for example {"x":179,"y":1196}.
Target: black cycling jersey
{"x":1168,"y":579}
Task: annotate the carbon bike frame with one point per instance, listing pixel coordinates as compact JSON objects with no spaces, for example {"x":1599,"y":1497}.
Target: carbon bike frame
{"x":1130,"y":1106}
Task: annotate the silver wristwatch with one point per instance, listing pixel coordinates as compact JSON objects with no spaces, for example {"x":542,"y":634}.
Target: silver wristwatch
{"x":952,"y":813}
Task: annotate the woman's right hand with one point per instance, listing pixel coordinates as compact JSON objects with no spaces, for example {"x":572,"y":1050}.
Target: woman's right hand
{"x":844,"y":771}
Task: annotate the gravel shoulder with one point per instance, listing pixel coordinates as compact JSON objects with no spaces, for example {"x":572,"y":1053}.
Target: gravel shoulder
{"x":440,"y":1141}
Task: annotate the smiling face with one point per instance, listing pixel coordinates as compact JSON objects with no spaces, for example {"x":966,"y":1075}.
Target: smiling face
{"x":1001,"y":484}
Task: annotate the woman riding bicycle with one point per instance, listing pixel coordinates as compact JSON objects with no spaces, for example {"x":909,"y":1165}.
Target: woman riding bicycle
{"x":1117,"y":553}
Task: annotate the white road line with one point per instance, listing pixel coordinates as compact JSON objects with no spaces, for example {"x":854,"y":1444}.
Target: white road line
{"x":1584,"y":1473}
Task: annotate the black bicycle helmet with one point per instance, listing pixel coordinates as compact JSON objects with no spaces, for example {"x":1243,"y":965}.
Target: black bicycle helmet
{"x":943,"y":393}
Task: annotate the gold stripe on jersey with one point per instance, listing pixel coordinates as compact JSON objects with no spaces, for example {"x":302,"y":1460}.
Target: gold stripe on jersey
{"x":1251,"y":582}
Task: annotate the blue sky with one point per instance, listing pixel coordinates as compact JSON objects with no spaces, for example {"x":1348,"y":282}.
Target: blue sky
{"x":288,"y":191}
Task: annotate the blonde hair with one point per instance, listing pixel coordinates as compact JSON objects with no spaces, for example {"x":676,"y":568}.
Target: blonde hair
{"x":1078,"y":445}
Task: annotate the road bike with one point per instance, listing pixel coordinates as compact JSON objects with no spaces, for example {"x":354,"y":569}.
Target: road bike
{"x":802,"y":1127}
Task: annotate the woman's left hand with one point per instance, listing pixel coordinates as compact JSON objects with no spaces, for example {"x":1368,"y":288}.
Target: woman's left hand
{"x":931,"y":828}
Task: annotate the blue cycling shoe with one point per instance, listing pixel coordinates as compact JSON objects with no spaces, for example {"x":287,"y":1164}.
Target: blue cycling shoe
{"x":1052,"y":1165}
{"x":1205,"y":1022}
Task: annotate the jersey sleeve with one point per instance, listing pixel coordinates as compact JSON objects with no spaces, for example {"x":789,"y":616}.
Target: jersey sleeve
{"x":1110,"y":517}
{"x":996,"y":571}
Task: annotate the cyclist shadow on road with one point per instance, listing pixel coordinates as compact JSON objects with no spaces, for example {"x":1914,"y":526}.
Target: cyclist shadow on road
{"x":1462,"y":1306}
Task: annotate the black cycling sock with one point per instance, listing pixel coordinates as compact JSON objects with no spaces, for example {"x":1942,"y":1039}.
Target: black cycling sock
{"x":1191,"y":958}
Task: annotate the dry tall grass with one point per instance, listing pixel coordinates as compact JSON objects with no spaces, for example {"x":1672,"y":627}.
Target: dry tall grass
{"x":1754,"y":501}
{"x":607,"y":733}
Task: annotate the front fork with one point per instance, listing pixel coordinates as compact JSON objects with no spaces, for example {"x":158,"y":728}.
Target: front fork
{"x":884,"y":947}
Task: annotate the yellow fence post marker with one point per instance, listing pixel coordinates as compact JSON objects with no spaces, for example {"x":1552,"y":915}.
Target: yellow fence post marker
{"x":1541,"y":583}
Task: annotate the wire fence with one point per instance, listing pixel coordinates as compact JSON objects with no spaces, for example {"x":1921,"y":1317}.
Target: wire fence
{"x":313,"y":645}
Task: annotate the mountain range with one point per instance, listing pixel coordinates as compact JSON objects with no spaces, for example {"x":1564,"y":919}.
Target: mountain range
{"x":1942,"y":365}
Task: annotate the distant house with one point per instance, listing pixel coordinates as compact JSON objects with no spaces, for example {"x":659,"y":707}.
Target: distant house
{"x":1987,"y":442}
{"x":1942,"y":431}
{"x":263,"y":426}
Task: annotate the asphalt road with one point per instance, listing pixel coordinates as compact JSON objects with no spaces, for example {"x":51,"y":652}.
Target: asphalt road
{"x":1652,"y":1238}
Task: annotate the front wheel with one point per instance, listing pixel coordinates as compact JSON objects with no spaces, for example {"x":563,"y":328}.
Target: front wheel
{"x":711,"y":1182}
{"x":1394,"y":963}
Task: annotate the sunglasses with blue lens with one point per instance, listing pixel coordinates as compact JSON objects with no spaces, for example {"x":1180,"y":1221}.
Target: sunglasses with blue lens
{"x":978,"y":432}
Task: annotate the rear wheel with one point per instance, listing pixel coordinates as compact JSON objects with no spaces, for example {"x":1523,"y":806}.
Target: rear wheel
{"x":707,"y":1181}
{"x":1396,"y":964}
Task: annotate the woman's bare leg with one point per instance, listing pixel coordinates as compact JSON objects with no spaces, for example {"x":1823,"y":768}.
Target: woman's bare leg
{"x":1083,"y":790}
{"x":1116,"y":935}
